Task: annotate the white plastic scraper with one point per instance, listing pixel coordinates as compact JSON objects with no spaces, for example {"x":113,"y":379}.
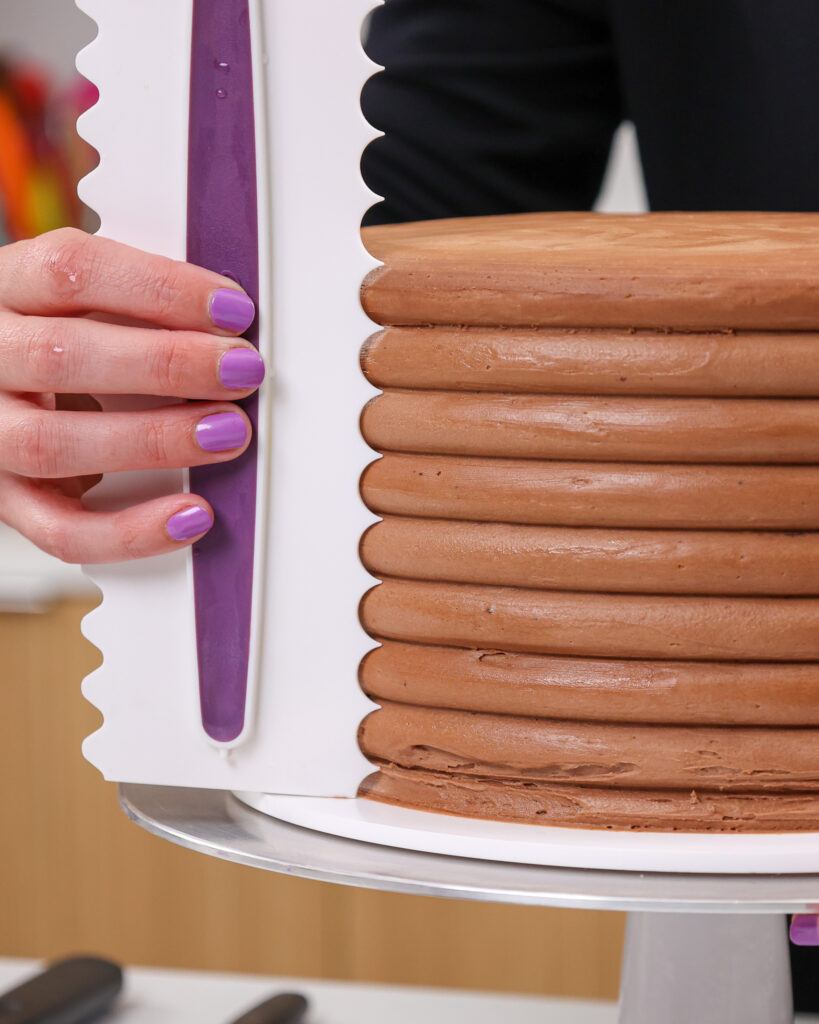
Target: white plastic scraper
{"x":230,"y":133}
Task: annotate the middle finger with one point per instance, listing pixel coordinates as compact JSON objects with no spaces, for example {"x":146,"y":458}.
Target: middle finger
{"x":80,"y":355}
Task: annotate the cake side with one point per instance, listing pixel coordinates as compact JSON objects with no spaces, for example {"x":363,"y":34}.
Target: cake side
{"x":581,"y":361}
{"x":599,"y":542}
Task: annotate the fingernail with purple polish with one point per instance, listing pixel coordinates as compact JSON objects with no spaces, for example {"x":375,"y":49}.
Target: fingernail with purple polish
{"x":232,"y":310}
{"x":221,"y":432}
{"x":189,"y":523}
{"x":241,"y":368}
{"x":805,"y":930}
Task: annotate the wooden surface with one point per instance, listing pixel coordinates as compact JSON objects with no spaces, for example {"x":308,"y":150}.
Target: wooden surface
{"x":75,"y":875}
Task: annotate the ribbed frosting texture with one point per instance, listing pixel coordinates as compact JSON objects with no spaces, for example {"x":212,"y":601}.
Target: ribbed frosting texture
{"x":599,"y":545}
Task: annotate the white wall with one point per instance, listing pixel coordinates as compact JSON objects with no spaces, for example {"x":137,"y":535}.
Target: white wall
{"x":623,"y":189}
{"x":49,"y":31}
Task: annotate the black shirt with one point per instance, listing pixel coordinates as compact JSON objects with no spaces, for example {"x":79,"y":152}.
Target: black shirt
{"x":499,"y":106}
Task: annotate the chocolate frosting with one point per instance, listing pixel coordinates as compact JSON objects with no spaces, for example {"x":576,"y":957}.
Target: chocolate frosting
{"x":594,"y":689}
{"x":567,"y":558}
{"x":484,"y":746}
{"x":682,"y":270}
{"x":600,"y":603}
{"x":593,"y":362}
{"x":607,"y":429}
{"x":628,"y":494}
{"x":637,"y":810}
{"x":595,"y":625}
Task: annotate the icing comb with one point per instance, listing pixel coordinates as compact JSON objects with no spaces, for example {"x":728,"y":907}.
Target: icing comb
{"x":230,"y":133}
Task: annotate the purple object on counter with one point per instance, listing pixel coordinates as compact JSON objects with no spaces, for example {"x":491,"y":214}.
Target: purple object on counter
{"x":805,"y":930}
{"x":223,"y":236}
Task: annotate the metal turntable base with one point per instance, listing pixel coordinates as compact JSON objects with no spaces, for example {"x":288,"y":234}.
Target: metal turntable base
{"x":700,"y":949}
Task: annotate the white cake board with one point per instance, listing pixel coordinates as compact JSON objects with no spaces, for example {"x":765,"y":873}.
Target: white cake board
{"x":425,"y":832}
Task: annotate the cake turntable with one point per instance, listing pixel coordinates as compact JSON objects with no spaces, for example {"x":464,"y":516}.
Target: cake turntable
{"x":699,"y":947}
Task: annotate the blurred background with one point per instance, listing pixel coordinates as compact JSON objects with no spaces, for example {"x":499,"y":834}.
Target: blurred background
{"x":74,"y":874}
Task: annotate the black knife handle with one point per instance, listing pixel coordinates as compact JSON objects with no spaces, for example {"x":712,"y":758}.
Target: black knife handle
{"x":288,"y":1008}
{"x":68,"y":992}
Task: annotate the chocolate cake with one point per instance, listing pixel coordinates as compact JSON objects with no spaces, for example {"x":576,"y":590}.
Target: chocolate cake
{"x":599,"y":543}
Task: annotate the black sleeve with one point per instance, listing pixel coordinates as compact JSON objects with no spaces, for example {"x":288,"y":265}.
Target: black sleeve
{"x":488,"y":106}
{"x":725,"y":97}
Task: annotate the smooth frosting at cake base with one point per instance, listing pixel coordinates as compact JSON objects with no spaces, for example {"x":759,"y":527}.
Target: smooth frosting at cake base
{"x":590,"y":807}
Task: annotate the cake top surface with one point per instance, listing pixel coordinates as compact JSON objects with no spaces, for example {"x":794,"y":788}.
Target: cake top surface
{"x":555,"y":239}
{"x":669,"y":270}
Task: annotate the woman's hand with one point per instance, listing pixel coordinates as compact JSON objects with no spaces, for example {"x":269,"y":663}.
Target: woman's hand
{"x":80,"y":316}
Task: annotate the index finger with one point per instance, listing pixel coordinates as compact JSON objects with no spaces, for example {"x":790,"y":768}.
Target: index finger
{"x":70,"y":272}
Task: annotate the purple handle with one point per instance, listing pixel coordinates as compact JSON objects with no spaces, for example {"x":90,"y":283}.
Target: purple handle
{"x":223,"y":236}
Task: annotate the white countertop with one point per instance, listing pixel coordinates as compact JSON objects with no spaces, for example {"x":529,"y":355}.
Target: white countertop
{"x":188,"y":997}
{"x":153,"y":996}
